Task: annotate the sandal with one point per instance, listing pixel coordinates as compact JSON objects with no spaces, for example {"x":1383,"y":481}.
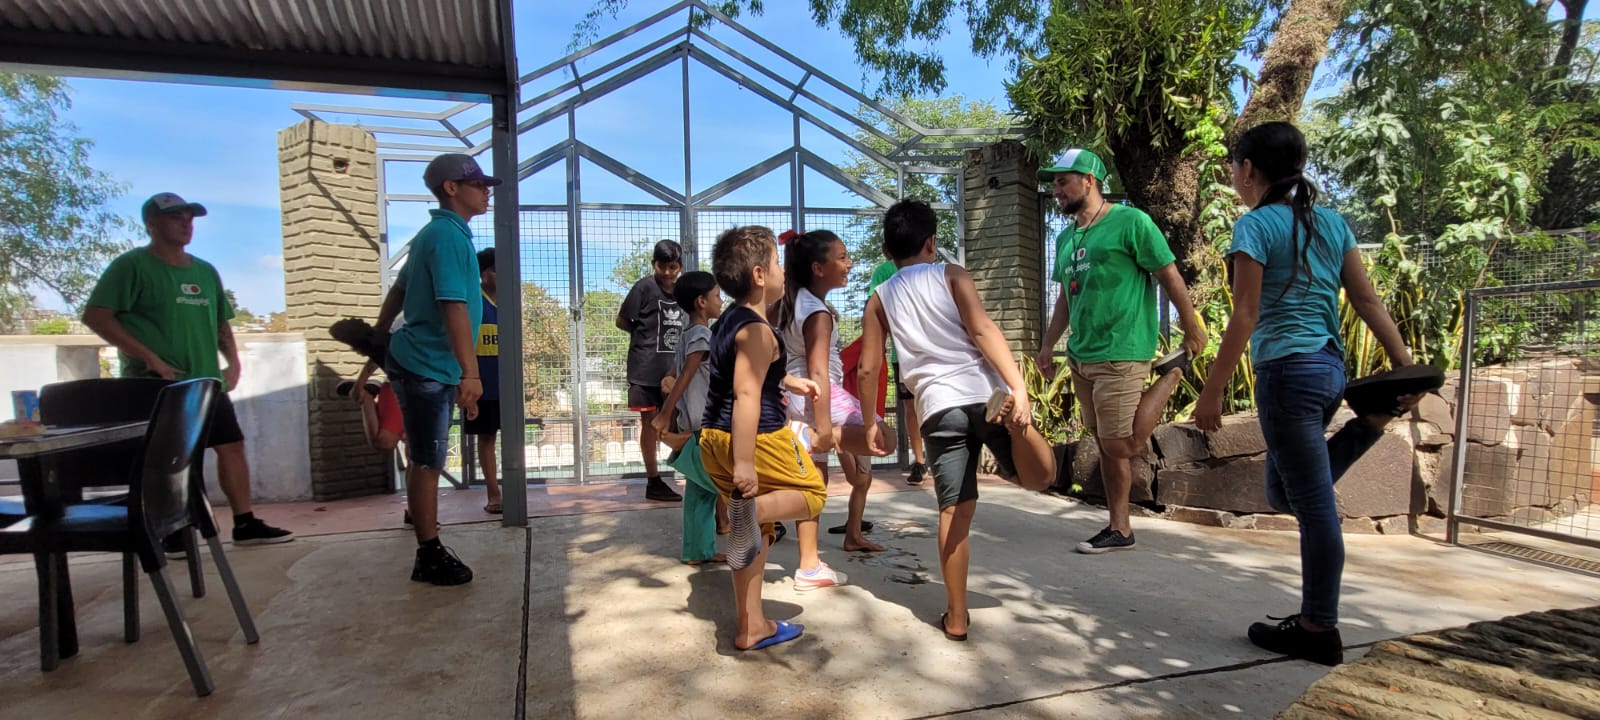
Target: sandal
{"x":950,"y":635}
{"x":786,"y":632}
{"x":1376,"y":394}
{"x":492,"y":508}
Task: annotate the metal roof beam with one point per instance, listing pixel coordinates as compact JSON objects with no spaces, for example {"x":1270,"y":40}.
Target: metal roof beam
{"x":634,"y":177}
{"x":612,"y":84}
{"x":578,"y":79}
{"x":610,"y":40}
{"x":743,"y":177}
{"x":832,"y":172}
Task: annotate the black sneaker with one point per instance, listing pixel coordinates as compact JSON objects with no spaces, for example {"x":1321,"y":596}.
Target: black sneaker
{"x":256,"y":532}
{"x":440,"y":566}
{"x":657,"y":489}
{"x":1176,"y":360}
{"x":174,"y":546}
{"x":1287,"y":637}
{"x":1106,"y":541}
{"x":919,"y":472}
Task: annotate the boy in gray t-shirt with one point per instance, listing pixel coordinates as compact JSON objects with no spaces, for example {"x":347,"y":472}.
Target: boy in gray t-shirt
{"x":687,"y":385}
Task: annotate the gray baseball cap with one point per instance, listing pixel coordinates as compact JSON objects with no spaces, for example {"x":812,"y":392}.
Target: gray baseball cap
{"x":167,"y":203}
{"x":454,"y":166}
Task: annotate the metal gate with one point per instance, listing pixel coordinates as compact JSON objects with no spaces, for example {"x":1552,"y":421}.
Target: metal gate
{"x":1525,"y":458}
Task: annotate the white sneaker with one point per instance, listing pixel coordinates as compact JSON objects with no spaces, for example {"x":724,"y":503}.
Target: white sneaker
{"x":819,"y":577}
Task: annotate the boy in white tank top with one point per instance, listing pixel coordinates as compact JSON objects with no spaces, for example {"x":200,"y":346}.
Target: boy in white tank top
{"x":968,"y":388}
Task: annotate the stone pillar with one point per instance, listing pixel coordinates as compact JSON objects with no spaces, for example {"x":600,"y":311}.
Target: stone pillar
{"x":328,"y":175}
{"x":1003,"y":239}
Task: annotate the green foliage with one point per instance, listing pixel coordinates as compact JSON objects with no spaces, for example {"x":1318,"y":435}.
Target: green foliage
{"x":1453,"y":125}
{"x":546,"y":350}
{"x":1152,"y":70}
{"x":55,"y":230}
{"x":1052,"y":401}
{"x":637,"y":263}
{"x":864,"y":240}
{"x":53,"y":326}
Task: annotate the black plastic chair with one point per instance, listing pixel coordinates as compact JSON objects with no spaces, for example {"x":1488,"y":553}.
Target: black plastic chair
{"x":109,"y":400}
{"x":160,"y":503}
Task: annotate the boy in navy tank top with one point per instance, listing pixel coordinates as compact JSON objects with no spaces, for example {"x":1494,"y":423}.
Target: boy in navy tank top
{"x":745,"y":441}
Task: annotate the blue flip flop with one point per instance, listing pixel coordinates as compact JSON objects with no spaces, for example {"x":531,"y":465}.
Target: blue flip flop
{"x":785,"y":633}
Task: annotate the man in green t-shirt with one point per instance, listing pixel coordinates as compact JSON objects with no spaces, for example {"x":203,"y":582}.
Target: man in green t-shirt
{"x":167,"y":315}
{"x":902,"y":394}
{"x":1104,"y":263}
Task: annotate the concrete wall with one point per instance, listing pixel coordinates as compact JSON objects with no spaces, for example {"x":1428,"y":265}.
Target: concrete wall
{"x":328,"y":175}
{"x":1004,"y":239}
{"x":270,"y":400}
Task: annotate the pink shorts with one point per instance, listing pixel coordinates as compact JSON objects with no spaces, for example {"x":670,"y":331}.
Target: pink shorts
{"x":843,"y":408}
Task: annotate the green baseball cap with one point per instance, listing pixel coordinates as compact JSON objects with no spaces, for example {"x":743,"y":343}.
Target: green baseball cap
{"x":1076,"y":160}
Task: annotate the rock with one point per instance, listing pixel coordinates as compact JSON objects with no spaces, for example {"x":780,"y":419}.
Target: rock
{"x":1531,"y":516}
{"x":1551,"y":389}
{"x":1571,"y":449}
{"x":1424,"y":476}
{"x":1428,"y":525}
{"x":1086,"y":474}
{"x":1395,"y":525}
{"x":1341,"y":416}
{"x":1534,"y":469}
{"x":1273,"y":521}
{"x":1236,"y":486}
{"x":1240,"y":435}
{"x":1435,"y":440}
{"x":1379,"y":483}
{"x":1358,"y":526}
{"x":1179,"y":444}
{"x":1433,"y":409}
{"x":1492,"y":406}
{"x":1239,"y":522}
{"x":1489,"y":478}
{"x":1200,"y":516}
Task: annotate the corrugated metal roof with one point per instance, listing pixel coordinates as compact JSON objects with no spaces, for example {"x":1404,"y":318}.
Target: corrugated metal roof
{"x":433,"y":41}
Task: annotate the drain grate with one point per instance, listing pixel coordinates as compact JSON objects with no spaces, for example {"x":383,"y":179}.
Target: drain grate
{"x":1539,"y":556}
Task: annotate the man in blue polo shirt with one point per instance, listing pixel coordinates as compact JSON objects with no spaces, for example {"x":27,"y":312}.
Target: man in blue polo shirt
{"x":432,"y":360}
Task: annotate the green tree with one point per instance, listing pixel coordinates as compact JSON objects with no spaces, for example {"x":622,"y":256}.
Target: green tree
{"x":241,"y":314}
{"x":53,"y":326}
{"x":546,"y":350}
{"x":638,"y":262}
{"x":55,"y":229}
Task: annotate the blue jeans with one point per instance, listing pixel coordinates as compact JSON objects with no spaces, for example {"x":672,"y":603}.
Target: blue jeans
{"x":425,"y":407}
{"x":1296,"y":396}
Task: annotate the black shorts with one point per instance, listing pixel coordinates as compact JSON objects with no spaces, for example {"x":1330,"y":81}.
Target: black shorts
{"x":224,"y":423}
{"x":487,"y":422}
{"x":954,"y":439}
{"x":901,"y":390}
{"x":645,"y":398}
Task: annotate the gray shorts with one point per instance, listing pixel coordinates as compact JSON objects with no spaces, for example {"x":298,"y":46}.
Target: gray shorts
{"x":954,"y":439}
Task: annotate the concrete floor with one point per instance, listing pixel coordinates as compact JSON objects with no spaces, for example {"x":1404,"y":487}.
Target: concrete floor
{"x":591,"y":616}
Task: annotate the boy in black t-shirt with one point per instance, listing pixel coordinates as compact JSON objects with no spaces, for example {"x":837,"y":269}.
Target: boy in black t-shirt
{"x":650,"y":315}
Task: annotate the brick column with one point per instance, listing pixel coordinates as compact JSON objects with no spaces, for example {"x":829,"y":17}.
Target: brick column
{"x":1003,"y":239}
{"x":328,"y":175}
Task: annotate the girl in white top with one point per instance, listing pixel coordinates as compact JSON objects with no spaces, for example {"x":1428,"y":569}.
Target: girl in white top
{"x":815,"y":263}
{"x":967,"y":385}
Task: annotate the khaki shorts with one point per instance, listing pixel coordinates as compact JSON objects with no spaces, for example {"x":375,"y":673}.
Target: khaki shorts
{"x":1108,"y":395}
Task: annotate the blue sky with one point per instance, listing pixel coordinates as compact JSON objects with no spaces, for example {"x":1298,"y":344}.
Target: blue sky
{"x":218,"y":145}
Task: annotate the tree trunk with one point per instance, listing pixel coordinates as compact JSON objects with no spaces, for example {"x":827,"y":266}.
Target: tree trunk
{"x":1571,"y":33}
{"x":1167,"y":186}
{"x":1290,"y":61}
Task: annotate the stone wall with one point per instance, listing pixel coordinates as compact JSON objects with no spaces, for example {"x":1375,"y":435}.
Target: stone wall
{"x":1530,"y":458}
{"x":1003,"y":239}
{"x":328,"y":176}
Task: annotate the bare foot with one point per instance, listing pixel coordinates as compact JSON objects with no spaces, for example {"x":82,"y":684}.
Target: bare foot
{"x":861,"y":544}
{"x":745,"y":641}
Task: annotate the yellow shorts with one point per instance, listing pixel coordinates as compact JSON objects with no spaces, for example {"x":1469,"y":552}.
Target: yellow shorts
{"x":781,"y":464}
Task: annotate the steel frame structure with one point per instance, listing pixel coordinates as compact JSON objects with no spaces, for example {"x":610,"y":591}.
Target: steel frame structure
{"x":808,"y":94}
